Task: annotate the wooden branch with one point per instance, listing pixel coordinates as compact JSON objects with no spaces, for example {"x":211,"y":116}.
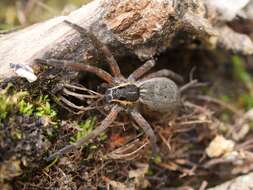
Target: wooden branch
{"x":144,"y":28}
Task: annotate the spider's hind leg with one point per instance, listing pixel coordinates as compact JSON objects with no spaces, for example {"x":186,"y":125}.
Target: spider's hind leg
{"x":139,"y":119}
{"x":165,"y":73}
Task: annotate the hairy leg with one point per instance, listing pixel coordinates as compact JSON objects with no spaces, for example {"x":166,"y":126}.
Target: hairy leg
{"x":139,"y":119}
{"x":82,"y":88}
{"x":192,"y":84}
{"x":78,"y":95}
{"x":77,"y":67}
{"x":165,"y":73}
{"x":139,"y":72}
{"x":83,"y":94}
{"x":104,"y":125}
{"x":69,"y":106}
{"x":100,"y":46}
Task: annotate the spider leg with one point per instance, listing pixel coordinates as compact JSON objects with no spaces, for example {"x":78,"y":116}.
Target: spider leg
{"x":165,"y":73}
{"x":77,"y":67}
{"x":139,"y":72}
{"x":82,"y":88}
{"x":79,"y":95}
{"x":100,"y":46}
{"x":192,"y":84}
{"x":104,"y":125}
{"x":69,"y":106}
{"x":139,"y":119}
{"x":90,"y":95}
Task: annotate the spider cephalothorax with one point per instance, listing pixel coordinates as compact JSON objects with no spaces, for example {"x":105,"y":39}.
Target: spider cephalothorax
{"x":154,"y":91}
{"x":125,"y":93}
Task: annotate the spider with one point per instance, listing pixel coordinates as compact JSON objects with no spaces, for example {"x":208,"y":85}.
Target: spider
{"x":154,"y":91}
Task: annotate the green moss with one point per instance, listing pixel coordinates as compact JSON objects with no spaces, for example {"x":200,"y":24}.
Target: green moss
{"x":16,"y":133}
{"x":150,"y":172}
{"x":158,"y":159}
{"x":84,"y":128}
{"x":225,"y":98}
{"x":5,"y":103}
{"x":47,"y":168}
{"x":239,"y":70}
{"x":8,"y":103}
{"x":246,"y":100}
{"x":25,"y":108}
{"x":93,"y":147}
{"x":103,"y":136}
{"x":12,"y":102}
{"x":44,"y":108}
{"x":240,"y":73}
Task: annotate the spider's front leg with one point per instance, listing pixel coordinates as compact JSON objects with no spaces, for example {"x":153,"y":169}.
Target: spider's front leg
{"x":77,"y":67}
{"x":100,"y":46}
{"x":139,"y":72}
{"x":140,"y":120}
{"x":84,"y":94}
{"x":104,"y":125}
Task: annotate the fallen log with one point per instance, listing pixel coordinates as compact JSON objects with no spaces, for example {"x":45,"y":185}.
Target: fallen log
{"x":144,"y":28}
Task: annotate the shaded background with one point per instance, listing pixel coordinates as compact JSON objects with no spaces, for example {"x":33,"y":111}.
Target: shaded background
{"x":14,"y":13}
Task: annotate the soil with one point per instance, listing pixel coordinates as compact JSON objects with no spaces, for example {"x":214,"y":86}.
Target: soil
{"x":183,"y":137}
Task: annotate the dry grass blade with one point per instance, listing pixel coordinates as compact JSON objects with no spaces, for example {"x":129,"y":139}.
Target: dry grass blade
{"x":123,"y":151}
{"x":221,"y":103}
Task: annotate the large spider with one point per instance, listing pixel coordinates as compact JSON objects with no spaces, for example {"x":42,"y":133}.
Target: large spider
{"x":154,"y":91}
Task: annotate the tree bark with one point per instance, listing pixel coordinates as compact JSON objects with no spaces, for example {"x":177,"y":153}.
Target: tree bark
{"x":144,"y":28}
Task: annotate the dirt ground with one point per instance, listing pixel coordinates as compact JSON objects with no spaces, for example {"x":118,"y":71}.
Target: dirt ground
{"x":204,"y":143}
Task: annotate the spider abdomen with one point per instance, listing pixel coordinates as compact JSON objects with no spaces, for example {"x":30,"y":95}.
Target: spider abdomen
{"x":159,"y":94}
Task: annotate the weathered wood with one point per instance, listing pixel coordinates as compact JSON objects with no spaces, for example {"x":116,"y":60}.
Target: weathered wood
{"x":144,"y":28}
{"x":23,"y":46}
